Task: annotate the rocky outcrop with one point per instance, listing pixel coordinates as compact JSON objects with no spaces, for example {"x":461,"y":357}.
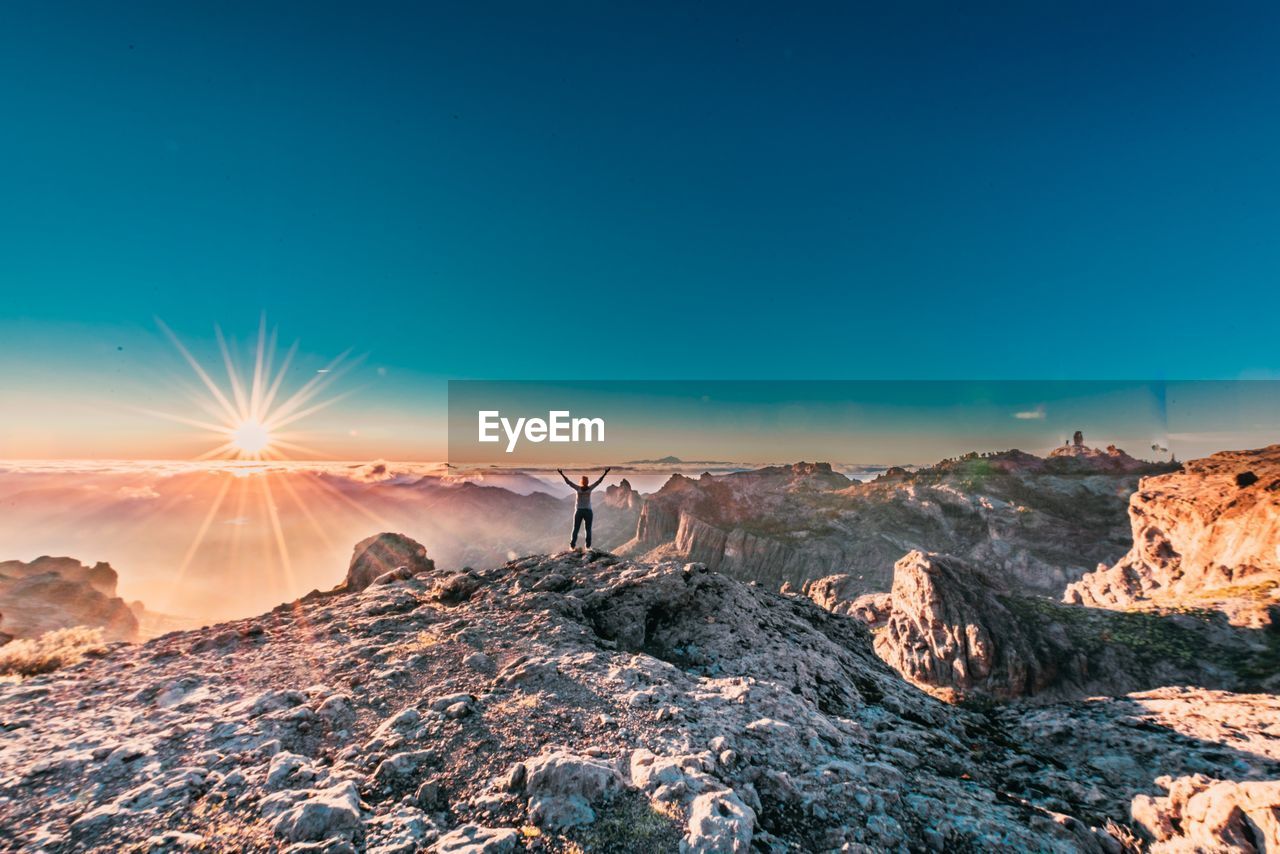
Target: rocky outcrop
{"x":52,"y":593}
{"x":1111,"y":459}
{"x":1203,"y":814}
{"x":839,"y":595}
{"x":1203,"y":537}
{"x":957,"y":632}
{"x":1147,"y":755}
{"x":580,"y":700}
{"x":948,"y":631}
{"x":375,"y":557}
{"x":621,"y":496}
{"x":1040,"y":523}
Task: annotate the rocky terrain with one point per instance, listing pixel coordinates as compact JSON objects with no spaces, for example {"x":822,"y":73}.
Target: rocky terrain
{"x":561,"y":701}
{"x":51,"y":593}
{"x":959,"y":632}
{"x":1042,"y":523}
{"x":1204,"y":537}
{"x":1192,"y":603}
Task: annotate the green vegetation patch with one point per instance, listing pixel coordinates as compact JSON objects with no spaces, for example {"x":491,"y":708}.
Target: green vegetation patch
{"x":630,"y":823}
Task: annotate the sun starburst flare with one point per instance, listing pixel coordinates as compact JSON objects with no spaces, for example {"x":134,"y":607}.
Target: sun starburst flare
{"x":252,"y":420}
{"x":246,"y":419}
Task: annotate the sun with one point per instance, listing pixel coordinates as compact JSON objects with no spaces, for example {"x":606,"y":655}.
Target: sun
{"x":250,"y":437}
{"x":248,"y":417}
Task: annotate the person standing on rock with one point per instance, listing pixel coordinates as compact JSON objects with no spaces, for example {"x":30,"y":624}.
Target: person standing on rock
{"x":583,"y":511}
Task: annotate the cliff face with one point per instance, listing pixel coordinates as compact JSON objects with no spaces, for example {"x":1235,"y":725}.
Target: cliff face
{"x":1039,"y":522}
{"x":956,"y":631}
{"x":59,"y":592}
{"x":1203,"y":537}
{"x":947,"y":630}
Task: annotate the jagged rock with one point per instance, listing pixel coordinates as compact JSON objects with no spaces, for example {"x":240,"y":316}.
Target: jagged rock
{"x":833,"y":592}
{"x":385,"y":553}
{"x":839,"y":595}
{"x":1040,"y":523}
{"x":338,"y":711}
{"x":622,"y":496}
{"x":949,"y":630}
{"x":402,"y":768}
{"x":289,"y":770}
{"x":1202,"y":537}
{"x":562,"y":787}
{"x":52,"y":593}
{"x":955,"y":631}
{"x":1203,"y":814}
{"x":323,"y":814}
{"x":719,"y":823}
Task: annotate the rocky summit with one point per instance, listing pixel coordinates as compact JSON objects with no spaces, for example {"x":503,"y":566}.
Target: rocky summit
{"x":52,"y":593}
{"x":578,"y":702}
{"x":1207,"y":536}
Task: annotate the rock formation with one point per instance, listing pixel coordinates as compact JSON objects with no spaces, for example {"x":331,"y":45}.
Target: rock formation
{"x":1203,"y":537}
{"x":596,"y":703}
{"x":374,"y":557}
{"x":1111,"y":459}
{"x":51,"y":593}
{"x":1203,"y":814}
{"x":621,"y":496}
{"x":839,"y":594}
{"x":1160,"y":744}
{"x":1041,"y":523}
{"x":948,"y":630}
{"x":958,"y":632}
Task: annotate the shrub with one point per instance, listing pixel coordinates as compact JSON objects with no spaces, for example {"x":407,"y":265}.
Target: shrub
{"x":58,"y":648}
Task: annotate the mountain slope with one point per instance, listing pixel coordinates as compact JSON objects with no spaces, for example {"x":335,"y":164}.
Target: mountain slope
{"x":1040,"y":523}
{"x":574,"y":698}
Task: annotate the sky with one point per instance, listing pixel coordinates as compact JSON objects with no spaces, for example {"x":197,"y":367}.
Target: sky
{"x":623,"y":191}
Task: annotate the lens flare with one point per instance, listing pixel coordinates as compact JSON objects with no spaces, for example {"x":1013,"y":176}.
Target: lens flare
{"x":247,"y":418}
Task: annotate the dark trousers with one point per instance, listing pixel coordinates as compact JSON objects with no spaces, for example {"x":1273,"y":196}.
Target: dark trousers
{"x":578,"y":518}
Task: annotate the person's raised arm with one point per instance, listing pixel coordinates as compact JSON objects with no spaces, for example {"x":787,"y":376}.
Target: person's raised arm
{"x":566,"y":480}
{"x":600,"y":478}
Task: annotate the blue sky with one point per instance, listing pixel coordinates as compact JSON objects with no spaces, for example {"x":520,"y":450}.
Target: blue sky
{"x":1047,"y":190}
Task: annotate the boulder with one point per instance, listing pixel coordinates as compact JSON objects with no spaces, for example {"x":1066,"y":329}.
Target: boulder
{"x":385,"y":553}
{"x":719,"y":823}
{"x":949,"y":630}
{"x":1203,"y":814}
{"x":474,"y":839}
{"x":326,"y":813}
{"x":562,"y":787}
